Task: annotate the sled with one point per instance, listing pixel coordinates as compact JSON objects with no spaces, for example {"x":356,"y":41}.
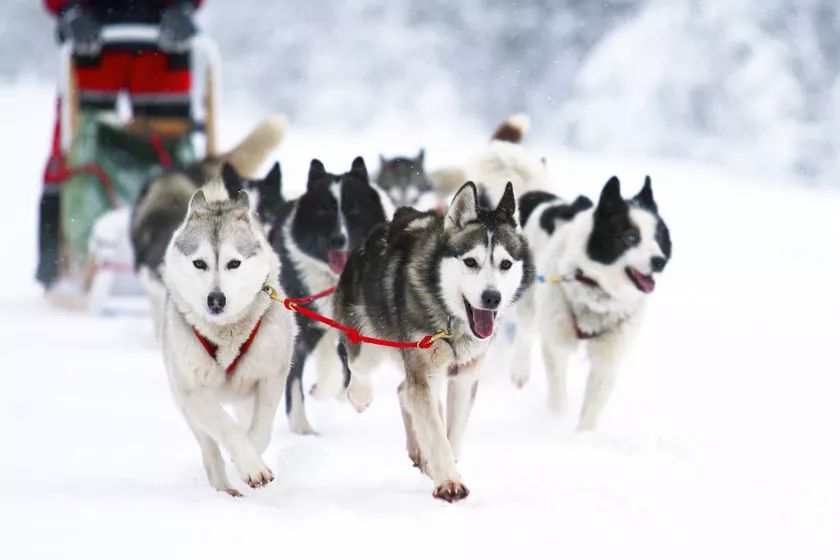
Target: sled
{"x":99,"y":162}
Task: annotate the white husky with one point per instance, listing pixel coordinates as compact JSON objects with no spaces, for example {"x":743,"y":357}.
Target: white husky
{"x":596,"y":267}
{"x":223,"y":339}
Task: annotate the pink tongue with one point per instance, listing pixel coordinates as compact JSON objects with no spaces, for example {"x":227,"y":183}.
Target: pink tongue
{"x":336,"y":260}
{"x":483,"y":322}
{"x":646,"y":283}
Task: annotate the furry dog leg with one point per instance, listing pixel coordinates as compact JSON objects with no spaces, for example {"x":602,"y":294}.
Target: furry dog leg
{"x":358,"y":362}
{"x":460,"y":397}
{"x":330,"y":383}
{"x":307,"y":340}
{"x":604,"y":355}
{"x":410,"y":438}
{"x":269,"y":391}
{"x":205,"y":412}
{"x":214,"y":463}
{"x":556,"y":358}
{"x":422,"y":390}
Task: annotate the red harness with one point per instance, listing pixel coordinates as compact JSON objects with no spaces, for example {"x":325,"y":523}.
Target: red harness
{"x":212,"y":347}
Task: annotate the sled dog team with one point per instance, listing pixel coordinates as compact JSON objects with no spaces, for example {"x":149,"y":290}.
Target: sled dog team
{"x":212,"y":245}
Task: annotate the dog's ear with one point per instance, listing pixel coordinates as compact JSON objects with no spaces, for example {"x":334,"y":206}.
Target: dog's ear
{"x":270,"y":193}
{"x":610,"y":201}
{"x":463,"y":209}
{"x":507,"y":205}
{"x":421,"y":156}
{"x":242,"y":204}
{"x":198,"y":202}
{"x":359,"y":167}
{"x":316,"y":171}
{"x":645,"y":196}
{"x":231,"y":180}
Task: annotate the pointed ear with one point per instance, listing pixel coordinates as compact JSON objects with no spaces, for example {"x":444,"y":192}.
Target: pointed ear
{"x":231,"y":180}
{"x":242,"y":203}
{"x":316,"y":171}
{"x":645,"y":196}
{"x":464,"y":207}
{"x":610,"y":200}
{"x":274,"y":179}
{"x":359,"y":167}
{"x":197,"y":203}
{"x":507,"y":204}
{"x":270,"y":193}
{"x":421,"y":156}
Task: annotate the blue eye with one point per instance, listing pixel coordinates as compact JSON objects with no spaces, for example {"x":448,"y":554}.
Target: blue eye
{"x":631,"y":238}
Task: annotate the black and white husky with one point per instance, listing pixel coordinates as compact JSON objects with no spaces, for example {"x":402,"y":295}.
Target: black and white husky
{"x":596,"y":270}
{"x":223,"y":339}
{"x":419,"y":274}
{"x":313,"y":235}
{"x":406,"y":182}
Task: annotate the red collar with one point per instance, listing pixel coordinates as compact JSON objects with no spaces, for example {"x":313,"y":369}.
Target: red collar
{"x":211,"y":347}
{"x":584,"y":279}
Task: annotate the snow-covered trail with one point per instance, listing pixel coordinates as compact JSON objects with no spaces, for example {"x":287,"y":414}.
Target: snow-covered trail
{"x":721,"y":438}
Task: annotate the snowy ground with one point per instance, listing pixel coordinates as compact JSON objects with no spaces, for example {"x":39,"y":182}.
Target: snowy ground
{"x":720,"y":440}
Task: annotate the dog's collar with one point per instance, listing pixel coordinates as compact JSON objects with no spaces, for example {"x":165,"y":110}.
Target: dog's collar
{"x":212,"y":348}
{"x":579,"y":277}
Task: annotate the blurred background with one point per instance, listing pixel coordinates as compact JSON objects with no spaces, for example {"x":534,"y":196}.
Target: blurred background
{"x":753,"y":86}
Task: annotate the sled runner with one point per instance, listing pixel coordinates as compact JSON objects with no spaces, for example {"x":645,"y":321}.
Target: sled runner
{"x":102,"y":157}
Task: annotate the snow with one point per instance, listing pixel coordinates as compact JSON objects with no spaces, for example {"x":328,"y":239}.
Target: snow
{"x":720,"y":440}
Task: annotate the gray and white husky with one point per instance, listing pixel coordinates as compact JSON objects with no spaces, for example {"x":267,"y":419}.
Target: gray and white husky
{"x":416,"y":275}
{"x":596,"y":270}
{"x":223,"y":339}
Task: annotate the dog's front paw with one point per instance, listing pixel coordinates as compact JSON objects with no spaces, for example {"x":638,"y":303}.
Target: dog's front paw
{"x":360,"y":394}
{"x":232,"y":492}
{"x":255,"y":473}
{"x":451,"y":491}
{"x":520,"y":378}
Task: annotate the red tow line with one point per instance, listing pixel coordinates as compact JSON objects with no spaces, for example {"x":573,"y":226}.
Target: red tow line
{"x":354,"y":336}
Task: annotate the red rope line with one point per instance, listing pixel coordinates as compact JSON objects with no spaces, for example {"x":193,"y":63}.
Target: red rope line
{"x":354,"y":336}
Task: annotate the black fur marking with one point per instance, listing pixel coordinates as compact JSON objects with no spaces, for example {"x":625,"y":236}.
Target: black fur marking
{"x":529,"y":201}
{"x":563,"y":212}
{"x":611,"y":222}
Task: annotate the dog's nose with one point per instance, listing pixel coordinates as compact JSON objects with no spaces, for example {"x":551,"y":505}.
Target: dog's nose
{"x":337,"y":241}
{"x":216,"y":302}
{"x":490,"y":299}
{"x":657,"y":264}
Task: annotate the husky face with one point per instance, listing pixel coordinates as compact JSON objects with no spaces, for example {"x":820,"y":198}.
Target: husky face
{"x":335,"y":214}
{"x":486,"y":264}
{"x":404,"y":179}
{"x":629,"y":242}
{"x":216,"y":261}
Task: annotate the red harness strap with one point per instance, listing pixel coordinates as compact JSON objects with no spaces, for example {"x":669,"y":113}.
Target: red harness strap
{"x":354,"y":336}
{"x":212,"y":348}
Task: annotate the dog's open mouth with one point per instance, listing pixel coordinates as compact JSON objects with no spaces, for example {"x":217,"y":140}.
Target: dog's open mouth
{"x":336,"y":261}
{"x":645,"y":283}
{"x":481,"y":320}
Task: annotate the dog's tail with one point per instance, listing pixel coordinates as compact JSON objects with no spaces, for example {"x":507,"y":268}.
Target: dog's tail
{"x":512,"y":129}
{"x":250,"y":153}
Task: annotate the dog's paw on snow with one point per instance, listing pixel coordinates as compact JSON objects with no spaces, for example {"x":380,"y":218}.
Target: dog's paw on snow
{"x":451,"y":491}
{"x":520,"y":378}
{"x":360,"y":394}
{"x":255,"y":473}
{"x":232,"y":492}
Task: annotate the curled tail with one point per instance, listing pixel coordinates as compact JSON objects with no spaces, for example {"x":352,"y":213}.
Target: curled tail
{"x":512,"y":128}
